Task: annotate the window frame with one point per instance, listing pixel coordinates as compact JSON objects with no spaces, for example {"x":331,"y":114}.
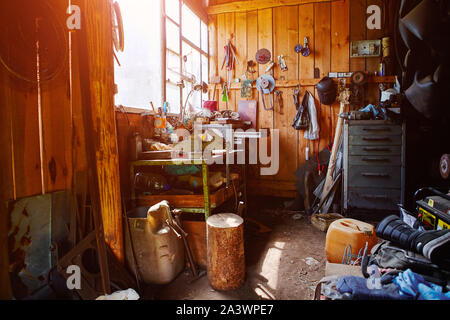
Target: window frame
{"x":180,"y":55}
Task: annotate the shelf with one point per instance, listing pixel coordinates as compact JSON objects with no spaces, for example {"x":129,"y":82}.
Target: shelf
{"x":310,"y":82}
{"x":189,"y":202}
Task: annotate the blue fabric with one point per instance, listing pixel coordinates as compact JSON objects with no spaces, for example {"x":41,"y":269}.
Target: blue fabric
{"x":370,"y":108}
{"x":357,"y":287}
{"x":181,"y":170}
{"x":378,"y":112}
{"x":414,"y":285}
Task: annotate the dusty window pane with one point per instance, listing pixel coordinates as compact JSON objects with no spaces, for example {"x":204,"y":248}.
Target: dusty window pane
{"x":139,"y":76}
{"x":191,"y":65}
{"x":173,"y":36}
{"x":204,"y":69}
{"x":173,"y":67}
{"x":204,"y":37}
{"x":204,"y":76}
{"x":193,"y":105}
{"x":173,"y":98}
{"x":190,"y":26}
{"x":173,"y":9}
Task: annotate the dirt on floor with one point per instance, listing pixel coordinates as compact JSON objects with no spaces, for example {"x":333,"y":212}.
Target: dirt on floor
{"x":285,"y":259}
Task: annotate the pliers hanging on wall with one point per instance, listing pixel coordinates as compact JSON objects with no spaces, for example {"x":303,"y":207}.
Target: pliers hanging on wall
{"x":229,"y":61}
{"x":279,"y":99}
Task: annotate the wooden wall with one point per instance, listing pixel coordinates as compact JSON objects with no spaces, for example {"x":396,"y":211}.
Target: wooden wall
{"x":43,"y":144}
{"x":330,"y":27}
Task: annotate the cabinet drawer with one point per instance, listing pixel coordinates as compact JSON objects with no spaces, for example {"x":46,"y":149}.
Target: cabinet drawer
{"x":375,"y":140}
{"x":374,"y":160}
{"x":374,"y":177}
{"x":376,"y":199}
{"x":374,"y":150}
{"x":385,"y":130}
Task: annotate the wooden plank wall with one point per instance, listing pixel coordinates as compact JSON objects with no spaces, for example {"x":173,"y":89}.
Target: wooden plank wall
{"x":36,"y":136}
{"x":42,"y":133}
{"x":329,"y":26}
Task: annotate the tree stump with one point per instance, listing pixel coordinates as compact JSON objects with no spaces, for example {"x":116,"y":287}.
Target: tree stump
{"x":225,"y":251}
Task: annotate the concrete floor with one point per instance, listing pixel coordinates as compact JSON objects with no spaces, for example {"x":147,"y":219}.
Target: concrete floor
{"x":284,"y":263}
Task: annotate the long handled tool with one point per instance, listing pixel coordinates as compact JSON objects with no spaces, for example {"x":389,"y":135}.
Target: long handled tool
{"x":183,"y":234}
{"x":215,"y":81}
{"x":337,"y":139}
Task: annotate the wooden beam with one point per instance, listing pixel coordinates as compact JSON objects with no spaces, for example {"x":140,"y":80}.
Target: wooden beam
{"x":242,"y":6}
{"x":199,"y":8}
{"x":313,"y":82}
{"x":97,"y":82}
{"x":6,"y":178}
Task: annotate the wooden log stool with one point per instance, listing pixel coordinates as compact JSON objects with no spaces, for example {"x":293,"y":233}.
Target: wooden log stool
{"x":225,"y":251}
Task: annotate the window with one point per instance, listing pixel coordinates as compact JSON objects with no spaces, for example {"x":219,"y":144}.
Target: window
{"x":186,"y":56}
{"x":139,"y":76}
{"x":138,"y":71}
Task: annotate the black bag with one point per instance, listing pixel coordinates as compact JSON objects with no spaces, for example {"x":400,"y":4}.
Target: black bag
{"x":301,"y":120}
{"x":387,"y":255}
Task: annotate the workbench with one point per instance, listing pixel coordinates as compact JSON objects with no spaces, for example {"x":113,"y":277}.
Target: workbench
{"x":191,"y":203}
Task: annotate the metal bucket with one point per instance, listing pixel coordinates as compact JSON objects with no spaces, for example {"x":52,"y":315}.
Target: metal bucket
{"x":158,"y":252}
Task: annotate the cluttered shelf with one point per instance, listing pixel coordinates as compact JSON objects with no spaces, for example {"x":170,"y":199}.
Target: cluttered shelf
{"x":313,"y":82}
{"x":213,"y":194}
{"x":193,"y":203}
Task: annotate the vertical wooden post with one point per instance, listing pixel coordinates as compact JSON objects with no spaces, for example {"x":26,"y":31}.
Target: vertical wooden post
{"x":6,"y":181}
{"x":97,"y":26}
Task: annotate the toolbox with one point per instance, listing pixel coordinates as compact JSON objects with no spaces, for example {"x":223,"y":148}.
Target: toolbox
{"x":433,"y":210}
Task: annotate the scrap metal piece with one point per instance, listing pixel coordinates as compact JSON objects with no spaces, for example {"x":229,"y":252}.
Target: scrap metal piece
{"x":263,"y":56}
{"x":84,"y":255}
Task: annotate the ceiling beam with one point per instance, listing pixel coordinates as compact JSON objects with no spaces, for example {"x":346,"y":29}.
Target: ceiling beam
{"x":250,"y":5}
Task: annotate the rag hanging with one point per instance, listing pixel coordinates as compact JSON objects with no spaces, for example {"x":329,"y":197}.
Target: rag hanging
{"x":308,"y":105}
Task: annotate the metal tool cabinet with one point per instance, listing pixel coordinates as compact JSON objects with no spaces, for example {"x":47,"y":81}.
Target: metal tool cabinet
{"x":374,"y":165}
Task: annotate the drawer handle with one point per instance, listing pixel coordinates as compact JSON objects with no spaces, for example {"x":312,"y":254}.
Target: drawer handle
{"x":376,"y":139}
{"x":375,"y":159}
{"x":372,"y":196}
{"x":376,"y":149}
{"x":375,"y":175}
{"x":377,"y":129}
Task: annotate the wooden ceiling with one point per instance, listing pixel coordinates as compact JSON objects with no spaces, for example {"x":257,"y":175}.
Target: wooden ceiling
{"x":227,"y":6}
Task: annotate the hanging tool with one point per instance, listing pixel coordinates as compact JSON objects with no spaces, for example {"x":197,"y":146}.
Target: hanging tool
{"x":306,"y":51}
{"x":225,"y":93}
{"x":265,"y":85}
{"x":282,"y":63}
{"x":296,"y":97}
{"x":229,"y":61}
{"x":215,"y":81}
{"x":279,"y":99}
{"x":303,"y":49}
{"x":263,"y":56}
{"x":271,"y":64}
{"x":251,"y":67}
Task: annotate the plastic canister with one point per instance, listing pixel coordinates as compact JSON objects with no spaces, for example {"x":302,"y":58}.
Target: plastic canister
{"x":346,"y":234}
{"x":157,"y":251}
